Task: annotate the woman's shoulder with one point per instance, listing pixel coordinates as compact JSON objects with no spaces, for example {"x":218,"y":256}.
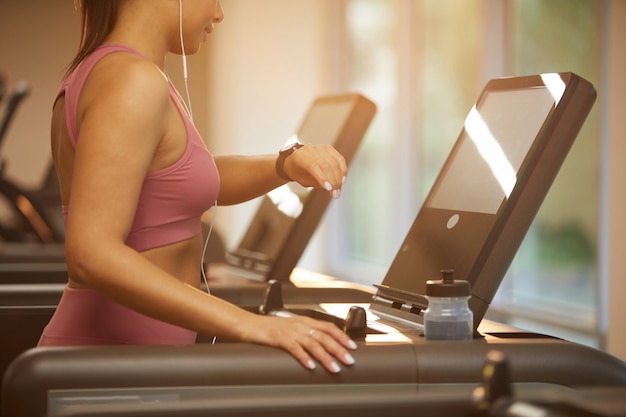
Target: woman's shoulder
{"x":133,"y":71}
{"x":127,"y":77}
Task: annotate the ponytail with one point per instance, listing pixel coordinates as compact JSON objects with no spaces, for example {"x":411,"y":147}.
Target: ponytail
{"x":97,"y":20}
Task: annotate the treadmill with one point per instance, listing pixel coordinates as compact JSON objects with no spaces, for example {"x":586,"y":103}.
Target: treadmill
{"x":532,"y":121}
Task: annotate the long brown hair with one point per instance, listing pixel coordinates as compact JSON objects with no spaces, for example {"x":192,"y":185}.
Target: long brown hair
{"x":97,"y":18}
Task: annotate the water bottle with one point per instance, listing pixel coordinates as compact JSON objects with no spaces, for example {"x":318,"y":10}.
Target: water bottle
{"x":448,"y":316}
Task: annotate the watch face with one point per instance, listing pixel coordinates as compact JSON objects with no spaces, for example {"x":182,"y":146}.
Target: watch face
{"x":290,"y":147}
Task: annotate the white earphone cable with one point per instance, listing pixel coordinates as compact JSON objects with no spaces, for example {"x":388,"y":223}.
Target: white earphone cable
{"x":184,"y":55}
{"x":190,"y":112}
{"x":206,"y":244}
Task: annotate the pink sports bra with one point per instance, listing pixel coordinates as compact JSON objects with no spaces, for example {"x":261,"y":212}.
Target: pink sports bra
{"x":172,"y":199}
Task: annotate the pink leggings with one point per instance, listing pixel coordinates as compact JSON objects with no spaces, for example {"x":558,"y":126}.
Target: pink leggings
{"x":85,"y":317}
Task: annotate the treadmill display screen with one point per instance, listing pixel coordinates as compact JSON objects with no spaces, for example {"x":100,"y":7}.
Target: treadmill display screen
{"x":288,"y":215}
{"x":270,"y":227}
{"x":495,"y":140}
{"x":510,"y":149}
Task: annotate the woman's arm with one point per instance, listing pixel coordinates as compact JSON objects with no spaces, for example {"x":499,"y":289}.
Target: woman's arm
{"x":247,"y":177}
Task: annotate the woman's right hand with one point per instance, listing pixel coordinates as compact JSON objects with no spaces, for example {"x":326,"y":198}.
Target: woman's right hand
{"x":317,"y":166}
{"x":307,"y":339}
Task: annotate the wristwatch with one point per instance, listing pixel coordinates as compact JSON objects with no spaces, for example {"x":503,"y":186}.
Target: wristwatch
{"x":282,"y":155}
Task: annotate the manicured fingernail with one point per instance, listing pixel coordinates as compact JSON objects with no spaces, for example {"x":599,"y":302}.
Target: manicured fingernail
{"x":352,"y":345}
{"x":349,"y":359}
{"x":335,"y":368}
{"x":343,"y":180}
{"x":328,"y":186}
{"x":311,"y":365}
{"x":336,"y":194}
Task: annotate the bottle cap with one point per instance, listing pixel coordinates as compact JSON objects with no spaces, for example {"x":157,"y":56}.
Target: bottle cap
{"x":447,"y":286}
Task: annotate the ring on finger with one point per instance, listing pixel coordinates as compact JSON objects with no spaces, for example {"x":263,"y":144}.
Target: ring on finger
{"x":311,"y":332}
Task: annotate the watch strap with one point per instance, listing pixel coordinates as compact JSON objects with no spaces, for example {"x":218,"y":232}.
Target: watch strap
{"x":282,"y":156}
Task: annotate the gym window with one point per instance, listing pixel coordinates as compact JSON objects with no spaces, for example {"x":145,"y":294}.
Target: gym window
{"x":424,"y":64}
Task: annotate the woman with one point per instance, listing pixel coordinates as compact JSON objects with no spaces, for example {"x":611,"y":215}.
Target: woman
{"x":135,"y":178}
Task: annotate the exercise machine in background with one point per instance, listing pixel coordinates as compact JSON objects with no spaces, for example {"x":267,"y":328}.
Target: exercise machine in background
{"x":27,"y":215}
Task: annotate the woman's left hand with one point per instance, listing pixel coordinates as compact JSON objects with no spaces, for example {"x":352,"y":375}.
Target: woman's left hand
{"x":317,"y":166}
